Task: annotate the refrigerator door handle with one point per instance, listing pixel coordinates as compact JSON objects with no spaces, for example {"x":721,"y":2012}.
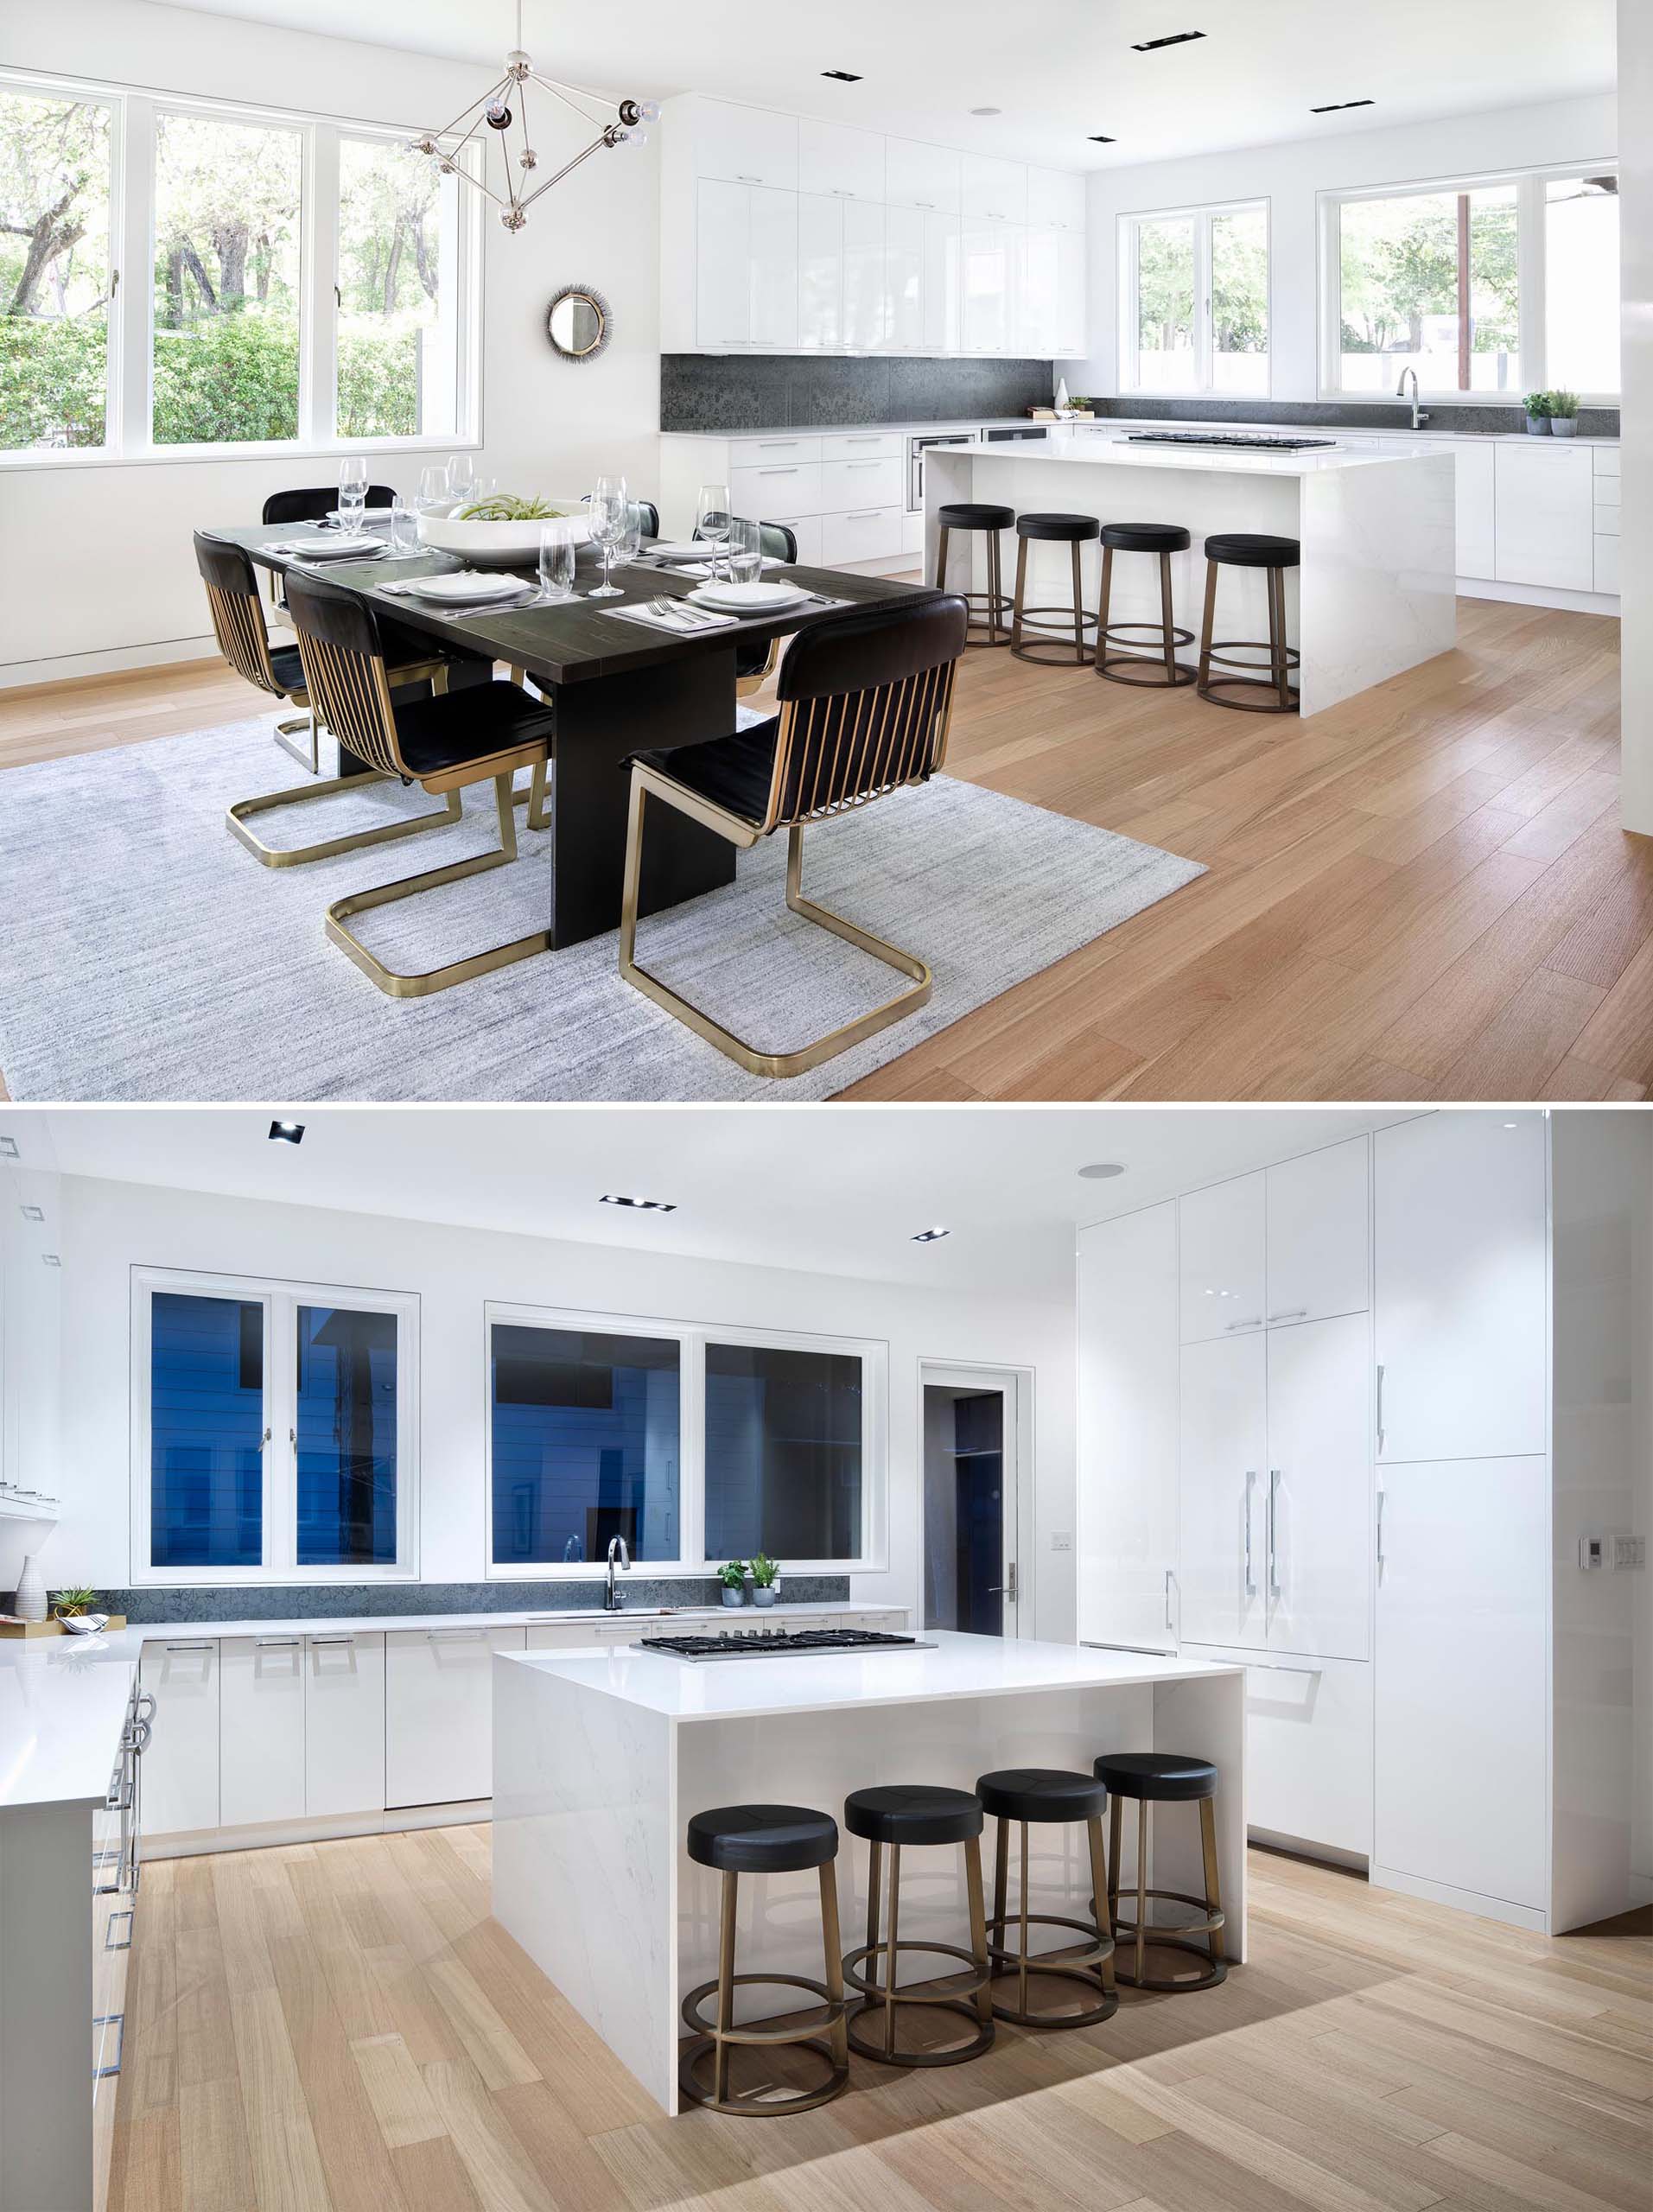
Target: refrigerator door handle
{"x":1274,"y":1495}
{"x":1380,"y":1534}
{"x":1380,"y":1408}
{"x":1251,"y":1578}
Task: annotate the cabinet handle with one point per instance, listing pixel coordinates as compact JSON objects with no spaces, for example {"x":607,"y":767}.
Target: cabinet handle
{"x":1168,"y":1628}
{"x":863,"y":464}
{"x":864,"y":514}
{"x":1256,"y":1322}
{"x":455,"y":1635}
{"x":1380,"y":1406}
{"x":740,"y":177}
{"x":1250,"y":1579}
{"x":1380,"y":1535}
{"x":928,"y":205}
{"x":324,"y":1640}
{"x":279,"y":1642}
{"x":1293,"y":1313}
{"x":777,"y":472}
{"x":190,"y":1647}
{"x":1274,"y":1493}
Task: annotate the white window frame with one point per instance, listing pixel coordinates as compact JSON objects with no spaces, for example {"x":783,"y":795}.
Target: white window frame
{"x":691,"y":1340}
{"x":1530,"y":185}
{"x":280,"y":1300}
{"x":128,"y":426}
{"x":1202,"y":216}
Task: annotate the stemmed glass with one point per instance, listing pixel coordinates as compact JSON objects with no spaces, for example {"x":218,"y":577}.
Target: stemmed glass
{"x":353,"y":491}
{"x":433,"y":488}
{"x":609,"y":523}
{"x":556,"y":555}
{"x":461,"y":477}
{"x":712,"y":520}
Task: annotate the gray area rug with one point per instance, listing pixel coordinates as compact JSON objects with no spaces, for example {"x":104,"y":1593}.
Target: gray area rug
{"x":144,"y":955}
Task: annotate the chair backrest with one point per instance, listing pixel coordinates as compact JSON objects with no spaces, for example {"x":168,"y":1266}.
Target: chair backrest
{"x":775,"y":541}
{"x":344,"y":668}
{"x":238,"y":611}
{"x":321,"y":499}
{"x":648,"y":514}
{"x":864,"y":701}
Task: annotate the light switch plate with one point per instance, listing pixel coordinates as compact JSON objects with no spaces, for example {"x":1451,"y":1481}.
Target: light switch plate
{"x":1061,"y":1540}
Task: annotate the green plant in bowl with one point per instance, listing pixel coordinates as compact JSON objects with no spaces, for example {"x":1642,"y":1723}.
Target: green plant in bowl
{"x":507,"y":507}
{"x":78,"y":1601}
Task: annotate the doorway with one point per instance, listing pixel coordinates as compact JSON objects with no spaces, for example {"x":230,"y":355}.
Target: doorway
{"x":972,"y":1439}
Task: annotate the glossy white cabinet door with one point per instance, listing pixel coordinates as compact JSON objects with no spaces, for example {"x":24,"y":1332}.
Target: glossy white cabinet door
{"x":1130,"y":1418}
{"x":1319,"y":1487}
{"x":1606,"y":567}
{"x":746,"y":145}
{"x":925,"y":177}
{"x":820,"y":271}
{"x":1224,"y":1286}
{"x":1056,"y":199}
{"x":985,"y":301}
{"x":344,"y":1724}
{"x":1461,"y":1286}
{"x":1474,"y":472}
{"x":835,"y":158}
{"x":439,"y":1713}
{"x":1545,"y":525}
{"x":1072,"y":317}
{"x":1308,"y":1748}
{"x":723,"y":290}
{"x":904,"y":276}
{"x":944,"y":282}
{"x":772,"y":235}
{"x":180,"y":1766}
{"x":865,"y":322}
{"x":994,"y":191}
{"x":1462,"y":1703}
{"x":261,"y":1730}
{"x":1224,"y":1491}
{"x":1036,"y":290}
{"x":1318,"y":1208}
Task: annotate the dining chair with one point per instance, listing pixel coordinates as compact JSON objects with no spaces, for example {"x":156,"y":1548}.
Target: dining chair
{"x":865,"y":700}
{"x":755,"y":665}
{"x":484,"y":734}
{"x":313,"y":504}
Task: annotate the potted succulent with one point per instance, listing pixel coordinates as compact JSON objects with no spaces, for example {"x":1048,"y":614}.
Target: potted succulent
{"x":733,"y":1576}
{"x":1537,"y":405}
{"x":74,"y":1608}
{"x":1563,"y":413}
{"x":765,"y":1573}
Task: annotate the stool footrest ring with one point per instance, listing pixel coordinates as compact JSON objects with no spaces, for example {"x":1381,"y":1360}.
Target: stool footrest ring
{"x":759,"y":2104}
{"x":1174,"y":1938}
{"x":1086,"y":1968}
{"x":695,"y":2020}
{"x":876,"y":1991}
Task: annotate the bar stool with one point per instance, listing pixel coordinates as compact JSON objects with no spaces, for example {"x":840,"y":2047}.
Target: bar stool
{"x":1049,"y":1796}
{"x":974,"y":515}
{"x":1164,"y":539}
{"x":1059,"y":530}
{"x":764,"y":1839}
{"x":1165,"y":1778}
{"x":901,"y":1815}
{"x":1240,"y":548}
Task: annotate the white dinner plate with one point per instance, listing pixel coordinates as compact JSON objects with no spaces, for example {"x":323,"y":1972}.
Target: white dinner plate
{"x":748,"y":599}
{"x":467,"y":589}
{"x":678,"y":549}
{"x":334,"y":548}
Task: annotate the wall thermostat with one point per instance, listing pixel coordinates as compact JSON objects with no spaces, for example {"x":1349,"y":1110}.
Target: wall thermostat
{"x":1593,"y":1552}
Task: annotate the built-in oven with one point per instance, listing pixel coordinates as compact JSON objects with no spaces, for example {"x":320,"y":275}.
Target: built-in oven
{"x":917,"y":449}
{"x":1019,"y":434}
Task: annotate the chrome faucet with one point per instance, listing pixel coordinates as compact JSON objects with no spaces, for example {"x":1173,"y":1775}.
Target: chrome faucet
{"x":1420,"y":416}
{"x":612,"y":1600}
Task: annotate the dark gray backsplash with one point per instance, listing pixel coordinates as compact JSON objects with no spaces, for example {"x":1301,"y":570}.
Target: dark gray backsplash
{"x":312,"y":1600}
{"x":1346,"y":415}
{"x":774,"y":391}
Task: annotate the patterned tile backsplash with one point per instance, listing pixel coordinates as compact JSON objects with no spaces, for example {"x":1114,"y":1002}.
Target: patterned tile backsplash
{"x":713,"y":392}
{"x":306,"y":1601}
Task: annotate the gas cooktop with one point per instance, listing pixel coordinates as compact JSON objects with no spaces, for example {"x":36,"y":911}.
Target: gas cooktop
{"x":1254,"y":439}
{"x":773,"y":1643}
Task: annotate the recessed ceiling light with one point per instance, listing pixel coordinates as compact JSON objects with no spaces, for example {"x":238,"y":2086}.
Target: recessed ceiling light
{"x":843,"y":76}
{"x":1336,"y":107}
{"x":286,"y":1132}
{"x":8,"y":1148}
{"x":35,"y":1213}
{"x":1102,"y":1171}
{"x":987,"y":110}
{"x":932,"y":1235}
{"x":638,"y":1205}
{"x":1153,"y":45}
{"x":1100,"y":139}
{"x":51,"y":1259}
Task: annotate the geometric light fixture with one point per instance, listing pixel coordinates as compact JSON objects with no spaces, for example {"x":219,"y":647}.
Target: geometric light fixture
{"x":504,"y":107}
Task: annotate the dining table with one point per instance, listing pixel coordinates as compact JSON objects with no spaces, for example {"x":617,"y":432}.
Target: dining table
{"x":617,"y":687}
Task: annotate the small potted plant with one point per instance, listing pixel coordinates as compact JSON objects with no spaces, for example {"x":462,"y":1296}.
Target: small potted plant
{"x":74,"y":1609}
{"x":1537,"y":405}
{"x":733,"y":1576}
{"x":765,"y":1573}
{"x":1563,"y":414}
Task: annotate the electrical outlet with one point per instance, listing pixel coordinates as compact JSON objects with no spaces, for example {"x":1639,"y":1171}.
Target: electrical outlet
{"x":1061,"y":1540}
{"x":1628,"y":1551}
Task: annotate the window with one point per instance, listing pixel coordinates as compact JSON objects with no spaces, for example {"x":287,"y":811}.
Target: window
{"x":783,"y":1453}
{"x":1582,"y":283}
{"x":54,"y":271}
{"x":1195,"y":301}
{"x":399,"y":306}
{"x":273,"y":1431}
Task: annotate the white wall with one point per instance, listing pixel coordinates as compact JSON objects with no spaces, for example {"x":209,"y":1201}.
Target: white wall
{"x":108,"y":1228}
{"x":1289,"y":176}
{"x":549,"y":425}
{"x":1635,"y":546}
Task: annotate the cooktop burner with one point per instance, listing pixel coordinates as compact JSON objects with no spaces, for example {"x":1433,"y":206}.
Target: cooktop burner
{"x":772,"y":1643}
{"x":1251,"y":438}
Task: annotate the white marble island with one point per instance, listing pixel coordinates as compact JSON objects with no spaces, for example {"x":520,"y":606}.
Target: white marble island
{"x":1376,"y":593}
{"x":600,"y":1758}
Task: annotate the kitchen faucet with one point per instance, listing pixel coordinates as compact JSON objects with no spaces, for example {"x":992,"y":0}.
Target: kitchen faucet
{"x":612,"y":1600}
{"x":1420,"y":416}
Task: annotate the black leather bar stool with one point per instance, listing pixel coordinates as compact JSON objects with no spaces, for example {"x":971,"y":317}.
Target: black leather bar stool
{"x":764,"y":1839}
{"x":1160,"y":669}
{"x":988,"y":608}
{"x":1049,"y":1796}
{"x":1241,"y":549}
{"x":1165,"y":1778}
{"x":1058,"y":530}
{"x":902,"y":1816}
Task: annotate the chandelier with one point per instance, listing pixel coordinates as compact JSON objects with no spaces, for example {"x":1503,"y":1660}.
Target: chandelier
{"x":505,"y":105}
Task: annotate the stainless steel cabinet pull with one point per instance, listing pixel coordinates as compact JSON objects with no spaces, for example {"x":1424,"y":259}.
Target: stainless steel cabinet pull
{"x":863,"y":464}
{"x":455,"y":1635}
{"x":777,"y":472}
{"x":1380,"y":1405}
{"x":864,"y":514}
{"x":190,"y":1647}
{"x":1296,"y":1313}
{"x":1169,"y":1630}
{"x":1380,"y":1535}
{"x":1256,"y":1322}
{"x":1250,"y":1579}
{"x":1273,"y":1494}
{"x":740,"y":177}
{"x":278,"y":1642}
{"x":323,"y":1640}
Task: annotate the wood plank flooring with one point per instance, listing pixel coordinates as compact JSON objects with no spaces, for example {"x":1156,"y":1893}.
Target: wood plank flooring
{"x":1423,"y":894}
{"x":339,"y":2027}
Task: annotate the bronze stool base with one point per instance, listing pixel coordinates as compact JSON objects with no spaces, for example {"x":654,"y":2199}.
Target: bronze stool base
{"x":1282,"y":657}
{"x":758,"y":2104}
{"x":1047,"y":649}
{"x":990,"y":610}
{"x":1093,"y":1966}
{"x":1144,"y":1938}
{"x":1162,"y":670}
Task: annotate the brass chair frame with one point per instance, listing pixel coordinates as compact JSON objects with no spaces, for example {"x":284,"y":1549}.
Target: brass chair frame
{"x":866,"y":744}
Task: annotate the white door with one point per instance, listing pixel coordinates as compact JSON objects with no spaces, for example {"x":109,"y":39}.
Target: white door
{"x":994,"y":191}
{"x":985,"y":300}
{"x":261,"y":1730}
{"x":1223,"y":1290}
{"x":864,"y":296}
{"x":943,"y":284}
{"x":1461,"y":1286}
{"x":180,"y":1766}
{"x":1462,"y":1704}
{"x":344,"y":1724}
{"x":1318,"y":1209}
{"x":820,"y":271}
{"x":975,"y":1422}
{"x":439,"y":1713}
{"x":772,"y":251}
{"x":1319,"y":1487}
{"x":1129,"y":1415}
{"x":722,"y":245}
{"x":1223,"y":1489}
{"x":904,"y":273}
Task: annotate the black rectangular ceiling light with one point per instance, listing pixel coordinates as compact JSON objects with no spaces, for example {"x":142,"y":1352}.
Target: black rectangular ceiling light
{"x":1098,"y":138}
{"x":286,"y":1132}
{"x":843,"y":76}
{"x":1153,"y":45}
{"x":1335,"y":107}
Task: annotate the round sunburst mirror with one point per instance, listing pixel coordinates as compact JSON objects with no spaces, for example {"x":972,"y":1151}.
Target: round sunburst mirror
{"x":578,"y":323}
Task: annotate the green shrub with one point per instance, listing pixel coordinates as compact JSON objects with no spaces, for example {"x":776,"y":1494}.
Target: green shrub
{"x":52,"y":382}
{"x":378,"y":384}
{"x":232,"y":380}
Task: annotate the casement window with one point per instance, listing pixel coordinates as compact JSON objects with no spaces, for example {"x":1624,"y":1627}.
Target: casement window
{"x":1194,"y":300}
{"x":184,"y":279}
{"x":693,"y":1444}
{"x":1487,"y":288}
{"x":274,"y":1431}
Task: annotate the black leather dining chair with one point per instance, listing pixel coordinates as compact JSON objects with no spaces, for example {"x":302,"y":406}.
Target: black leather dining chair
{"x":865,"y":702}
{"x":755,"y":665}
{"x":317,"y":502}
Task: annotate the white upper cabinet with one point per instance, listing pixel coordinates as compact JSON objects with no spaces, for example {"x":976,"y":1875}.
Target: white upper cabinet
{"x":746,"y":145}
{"x":1224,"y":1491}
{"x":927,"y":177}
{"x":989,"y":255}
{"x":1319,"y":1487}
{"x":943,"y":283}
{"x":1461,"y":1286}
{"x":994,"y":191}
{"x":1224,"y":1289}
{"x":1056,"y":201}
{"x":820,"y":271}
{"x":840,"y":162}
{"x":1317,"y":1244}
{"x":865,"y":307}
{"x":1073,"y":279}
{"x":1037,"y":293}
{"x":905,"y":273}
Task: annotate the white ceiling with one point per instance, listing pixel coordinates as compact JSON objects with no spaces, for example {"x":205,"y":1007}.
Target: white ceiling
{"x":831,"y":1190}
{"x":925,"y":64}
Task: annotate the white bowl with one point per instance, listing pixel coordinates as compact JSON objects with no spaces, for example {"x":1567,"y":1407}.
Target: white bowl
{"x":496,"y":545}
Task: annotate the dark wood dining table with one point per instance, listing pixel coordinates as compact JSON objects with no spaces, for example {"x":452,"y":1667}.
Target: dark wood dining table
{"x":617,"y":688}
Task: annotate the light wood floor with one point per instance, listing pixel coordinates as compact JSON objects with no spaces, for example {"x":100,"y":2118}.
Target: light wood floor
{"x":339,"y":2027}
{"x":1422,"y":894}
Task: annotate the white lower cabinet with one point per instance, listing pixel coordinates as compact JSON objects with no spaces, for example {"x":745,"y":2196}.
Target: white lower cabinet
{"x":1308,"y":1749}
{"x":1475,"y":497}
{"x":439,"y":1713}
{"x":344,"y":1724}
{"x":261,"y":1730}
{"x":181,"y":1792}
{"x":1545,"y":527}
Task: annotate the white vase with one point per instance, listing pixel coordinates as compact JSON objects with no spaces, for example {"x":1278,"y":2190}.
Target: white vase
{"x":1061,"y":394}
{"x":31,"y":1592}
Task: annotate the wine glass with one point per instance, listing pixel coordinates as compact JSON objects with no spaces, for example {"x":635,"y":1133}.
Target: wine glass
{"x":631,"y":541}
{"x":557,"y":561}
{"x":608,"y":523}
{"x":746,"y":551}
{"x":353,"y":491}
{"x":461,"y":477}
{"x":434,"y":496}
{"x":712,"y":520}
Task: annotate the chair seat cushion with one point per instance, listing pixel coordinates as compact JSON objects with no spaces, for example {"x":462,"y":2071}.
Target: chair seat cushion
{"x":289,"y":669}
{"x":1244,"y":549}
{"x":975,"y":514}
{"x":1146,"y":537}
{"x":474,"y":725}
{"x":1040,"y":1793}
{"x":762,"y":1839}
{"x":1163,"y":1778}
{"x":913,"y":1812}
{"x":734,"y":772}
{"x":1067,"y":529}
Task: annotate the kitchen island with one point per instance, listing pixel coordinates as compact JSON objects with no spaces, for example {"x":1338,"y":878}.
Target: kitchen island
{"x":1376,"y":593}
{"x":600,"y":1758}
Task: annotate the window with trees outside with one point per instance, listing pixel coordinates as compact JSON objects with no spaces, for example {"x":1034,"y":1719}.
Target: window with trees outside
{"x":310,"y":287}
{"x":1194,"y":305}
